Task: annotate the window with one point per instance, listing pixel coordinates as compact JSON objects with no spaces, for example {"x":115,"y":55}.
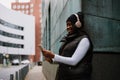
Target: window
{"x":3,"y":33}
{"x":7,"y":24}
{"x":8,"y":44}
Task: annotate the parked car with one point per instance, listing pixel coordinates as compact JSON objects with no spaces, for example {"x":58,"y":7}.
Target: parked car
{"x":15,"y":62}
{"x":25,"y":62}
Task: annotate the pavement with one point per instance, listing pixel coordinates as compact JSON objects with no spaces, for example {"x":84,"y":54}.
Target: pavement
{"x":35,"y":74}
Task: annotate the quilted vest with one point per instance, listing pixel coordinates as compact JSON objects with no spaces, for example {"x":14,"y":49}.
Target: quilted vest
{"x":81,"y":71}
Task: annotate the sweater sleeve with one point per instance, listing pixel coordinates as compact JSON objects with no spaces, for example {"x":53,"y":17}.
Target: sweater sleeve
{"x":78,"y":54}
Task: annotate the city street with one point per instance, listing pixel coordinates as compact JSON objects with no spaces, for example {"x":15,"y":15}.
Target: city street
{"x":81,"y":39}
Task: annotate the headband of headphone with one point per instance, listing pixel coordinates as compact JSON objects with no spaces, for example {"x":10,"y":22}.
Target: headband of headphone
{"x":78,"y":23}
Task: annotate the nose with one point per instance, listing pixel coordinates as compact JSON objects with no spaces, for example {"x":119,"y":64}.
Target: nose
{"x":68,"y":26}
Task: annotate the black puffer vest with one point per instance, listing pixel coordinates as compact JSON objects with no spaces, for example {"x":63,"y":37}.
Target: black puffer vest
{"x":82,"y":71}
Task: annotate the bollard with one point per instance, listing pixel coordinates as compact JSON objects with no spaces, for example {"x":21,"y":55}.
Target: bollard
{"x":19,"y":74}
{"x":11,"y":77}
{"x":16,"y":75}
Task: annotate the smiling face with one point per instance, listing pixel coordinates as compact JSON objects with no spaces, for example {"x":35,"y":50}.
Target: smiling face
{"x":69,"y":27}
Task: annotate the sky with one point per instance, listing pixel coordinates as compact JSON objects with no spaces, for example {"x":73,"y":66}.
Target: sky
{"x":7,"y":3}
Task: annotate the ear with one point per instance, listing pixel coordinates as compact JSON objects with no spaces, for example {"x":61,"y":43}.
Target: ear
{"x":78,"y":23}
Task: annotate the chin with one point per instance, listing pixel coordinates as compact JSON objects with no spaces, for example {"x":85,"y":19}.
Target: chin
{"x":70,"y":32}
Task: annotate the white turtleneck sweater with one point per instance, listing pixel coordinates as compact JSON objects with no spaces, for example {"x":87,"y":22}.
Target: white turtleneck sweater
{"x":77,"y":56}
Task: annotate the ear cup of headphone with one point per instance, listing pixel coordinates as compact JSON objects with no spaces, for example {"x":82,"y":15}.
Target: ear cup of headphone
{"x":78,"y":23}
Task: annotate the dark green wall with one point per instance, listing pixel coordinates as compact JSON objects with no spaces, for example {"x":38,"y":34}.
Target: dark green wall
{"x":102,"y":21}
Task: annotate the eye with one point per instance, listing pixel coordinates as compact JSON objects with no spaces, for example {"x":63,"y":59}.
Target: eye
{"x":69,"y":24}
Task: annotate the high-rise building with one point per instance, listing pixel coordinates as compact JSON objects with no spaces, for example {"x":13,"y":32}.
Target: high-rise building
{"x":31,"y":8}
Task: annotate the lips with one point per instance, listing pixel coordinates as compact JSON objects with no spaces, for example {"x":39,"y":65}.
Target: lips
{"x":69,"y":30}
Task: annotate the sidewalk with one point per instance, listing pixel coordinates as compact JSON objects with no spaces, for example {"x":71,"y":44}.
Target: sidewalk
{"x":35,"y":74}
{"x":13,"y":72}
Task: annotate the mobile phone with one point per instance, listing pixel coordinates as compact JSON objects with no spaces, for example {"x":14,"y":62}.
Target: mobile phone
{"x":41,"y":48}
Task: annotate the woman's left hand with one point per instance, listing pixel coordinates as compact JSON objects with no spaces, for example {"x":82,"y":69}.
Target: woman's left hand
{"x":48,"y":59}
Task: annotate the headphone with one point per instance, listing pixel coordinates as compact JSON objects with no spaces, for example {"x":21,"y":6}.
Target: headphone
{"x":78,"y":23}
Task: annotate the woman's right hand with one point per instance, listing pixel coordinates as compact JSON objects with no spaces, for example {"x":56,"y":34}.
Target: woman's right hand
{"x":48,"y":53}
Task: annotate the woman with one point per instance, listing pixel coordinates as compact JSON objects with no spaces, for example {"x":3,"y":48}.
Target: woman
{"x":75,"y":53}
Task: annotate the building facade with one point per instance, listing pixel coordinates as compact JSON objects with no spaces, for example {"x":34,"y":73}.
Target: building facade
{"x":101,"y":21}
{"x":32,"y":8}
{"x":14,"y":34}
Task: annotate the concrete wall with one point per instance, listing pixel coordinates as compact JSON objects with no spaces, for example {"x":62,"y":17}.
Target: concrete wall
{"x":102,"y":21}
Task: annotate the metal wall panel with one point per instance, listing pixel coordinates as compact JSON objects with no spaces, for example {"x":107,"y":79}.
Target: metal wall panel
{"x":103,"y":24}
{"x":103,"y":8}
{"x":104,"y":32}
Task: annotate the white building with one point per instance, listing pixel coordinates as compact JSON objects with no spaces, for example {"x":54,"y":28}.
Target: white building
{"x":17,"y":32}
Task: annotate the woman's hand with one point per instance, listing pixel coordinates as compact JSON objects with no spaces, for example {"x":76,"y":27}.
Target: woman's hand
{"x":49,"y":60}
{"x":48,"y":53}
{"x":45,"y":52}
